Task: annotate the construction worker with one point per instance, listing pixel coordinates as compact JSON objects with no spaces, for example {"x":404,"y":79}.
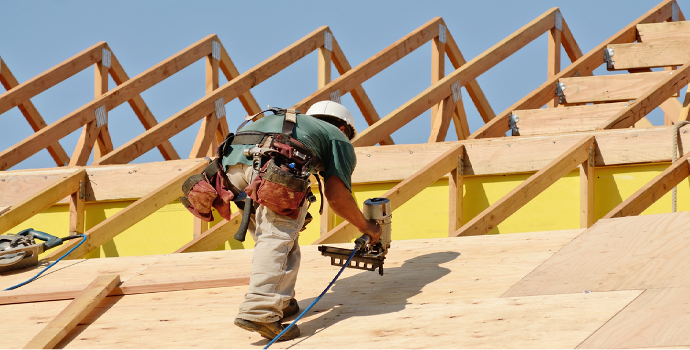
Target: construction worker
{"x":326,"y":131}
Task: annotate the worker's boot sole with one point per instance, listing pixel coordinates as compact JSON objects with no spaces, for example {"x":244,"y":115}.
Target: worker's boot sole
{"x":268,"y":330}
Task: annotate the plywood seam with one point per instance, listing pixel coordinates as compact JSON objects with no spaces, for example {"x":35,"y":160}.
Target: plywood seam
{"x":611,"y":318}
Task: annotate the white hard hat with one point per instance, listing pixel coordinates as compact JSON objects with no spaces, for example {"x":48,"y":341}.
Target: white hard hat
{"x":333,"y":109}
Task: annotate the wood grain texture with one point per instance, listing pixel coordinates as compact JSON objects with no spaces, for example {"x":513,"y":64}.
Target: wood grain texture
{"x":609,"y":88}
{"x":667,"y":31}
{"x":468,"y":72}
{"x":74,"y":313}
{"x":115,"y":97}
{"x":214,"y":237}
{"x":650,"y":55}
{"x":204,"y":106}
{"x":583,"y":66}
{"x":658,"y":318}
{"x":637,"y":252}
{"x":566,"y":119}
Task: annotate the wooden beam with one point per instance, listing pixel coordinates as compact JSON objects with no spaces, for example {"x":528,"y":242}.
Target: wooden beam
{"x":115,"y":97}
{"x":32,"y":116}
{"x":609,"y":88}
{"x":554,"y":58}
{"x":377,"y":63}
{"x":214,"y":237}
{"x":462,"y":129}
{"x":572,"y":49}
{"x":358,"y":94}
{"x":662,"y":32}
{"x":74,"y":313}
{"x":324,"y":66}
{"x":441,"y":123}
{"x":51,"y":77}
{"x":91,"y":133}
{"x":653,"y":190}
{"x":543,"y":121}
{"x":133,"y":213}
{"x":203,"y":107}
{"x":583,"y":66}
{"x":650,"y":100}
{"x":528,"y":190}
{"x":230,"y":71}
{"x":140,"y":108}
{"x":76,"y":209}
{"x":473,"y":89}
{"x":403,"y":192}
{"x":643,"y":55}
{"x":129,"y":287}
{"x":438,"y":71}
{"x":207,"y":132}
{"x":41,"y":201}
{"x":587,"y":190}
{"x":455,"y":193}
{"x":468,"y":72}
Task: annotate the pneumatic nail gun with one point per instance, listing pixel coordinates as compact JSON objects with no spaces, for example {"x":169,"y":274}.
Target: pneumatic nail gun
{"x":368,"y":256}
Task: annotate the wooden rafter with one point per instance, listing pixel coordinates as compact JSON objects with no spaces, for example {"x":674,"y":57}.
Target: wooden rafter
{"x":583,"y":66}
{"x":204,"y":106}
{"x":32,"y":116}
{"x":466,"y":73}
{"x":530,"y":188}
{"x":115,"y":97}
{"x":214,"y":237}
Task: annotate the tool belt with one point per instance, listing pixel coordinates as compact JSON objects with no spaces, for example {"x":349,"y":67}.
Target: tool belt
{"x":210,"y":189}
{"x":280,"y":162}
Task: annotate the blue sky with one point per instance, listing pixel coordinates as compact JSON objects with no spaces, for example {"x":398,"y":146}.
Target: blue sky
{"x":34,"y":36}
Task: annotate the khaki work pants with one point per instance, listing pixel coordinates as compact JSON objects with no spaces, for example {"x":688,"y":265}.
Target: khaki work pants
{"x":276,"y":256}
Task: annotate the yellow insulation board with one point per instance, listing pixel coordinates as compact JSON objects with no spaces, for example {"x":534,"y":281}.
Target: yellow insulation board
{"x":425,"y":216}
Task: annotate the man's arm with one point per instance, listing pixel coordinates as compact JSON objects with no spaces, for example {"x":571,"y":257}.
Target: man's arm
{"x":341,"y":201}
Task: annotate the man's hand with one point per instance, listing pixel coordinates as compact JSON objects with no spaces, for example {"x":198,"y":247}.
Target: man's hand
{"x":373,"y":230}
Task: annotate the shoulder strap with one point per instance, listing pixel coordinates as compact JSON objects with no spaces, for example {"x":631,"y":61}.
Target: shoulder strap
{"x":289,"y":121}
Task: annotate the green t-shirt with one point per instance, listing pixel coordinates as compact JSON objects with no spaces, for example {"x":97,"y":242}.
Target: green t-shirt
{"x":324,"y":140}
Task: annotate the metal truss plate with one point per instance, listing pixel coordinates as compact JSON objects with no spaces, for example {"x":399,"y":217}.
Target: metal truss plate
{"x":328,"y":41}
{"x":513,"y":124}
{"x":674,"y":11}
{"x":457,"y":93}
{"x":335,"y":96}
{"x":105,"y":57}
{"x":220,"y":108}
{"x":101,"y":116}
{"x":215,"y":50}
{"x":608,"y":57}
{"x":558,"y":20}
{"x":442,"y":33}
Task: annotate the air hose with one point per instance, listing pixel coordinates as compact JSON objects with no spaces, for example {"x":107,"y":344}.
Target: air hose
{"x":83,"y":238}
{"x":357,"y":247}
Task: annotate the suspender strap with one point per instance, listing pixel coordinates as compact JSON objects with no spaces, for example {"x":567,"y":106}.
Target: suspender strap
{"x":289,"y":121}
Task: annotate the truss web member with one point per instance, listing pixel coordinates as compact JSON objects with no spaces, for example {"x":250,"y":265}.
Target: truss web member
{"x":325,"y":131}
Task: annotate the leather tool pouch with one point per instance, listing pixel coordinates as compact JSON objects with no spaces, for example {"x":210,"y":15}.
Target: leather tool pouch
{"x":210,"y":189}
{"x":279,"y":189}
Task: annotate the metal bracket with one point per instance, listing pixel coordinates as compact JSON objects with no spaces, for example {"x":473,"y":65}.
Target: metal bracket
{"x":608,"y":57}
{"x":455,"y":88}
{"x":215,"y":50}
{"x":560,"y":87}
{"x":591,"y":157}
{"x":82,"y":189}
{"x":335,"y":96}
{"x":105,"y":57}
{"x":674,"y":11}
{"x":442,"y":33}
{"x":558,"y":20}
{"x":220,"y":108}
{"x":513,"y":124}
{"x":328,"y":41}
{"x":101,"y":116}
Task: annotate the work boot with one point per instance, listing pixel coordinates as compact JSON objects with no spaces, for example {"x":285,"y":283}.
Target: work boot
{"x":268,"y":330}
{"x":291,"y":309}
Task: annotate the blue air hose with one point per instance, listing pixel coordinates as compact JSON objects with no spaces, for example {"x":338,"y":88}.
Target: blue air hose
{"x":315,"y":301}
{"x":83,"y":238}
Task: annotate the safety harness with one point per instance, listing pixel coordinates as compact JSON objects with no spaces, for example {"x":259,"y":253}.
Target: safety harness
{"x":281,"y":166}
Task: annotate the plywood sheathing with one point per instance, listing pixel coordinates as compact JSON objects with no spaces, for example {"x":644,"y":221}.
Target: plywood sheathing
{"x":457,"y":277}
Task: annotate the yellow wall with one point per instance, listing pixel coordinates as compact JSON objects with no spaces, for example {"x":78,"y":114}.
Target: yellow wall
{"x":425,"y":216}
